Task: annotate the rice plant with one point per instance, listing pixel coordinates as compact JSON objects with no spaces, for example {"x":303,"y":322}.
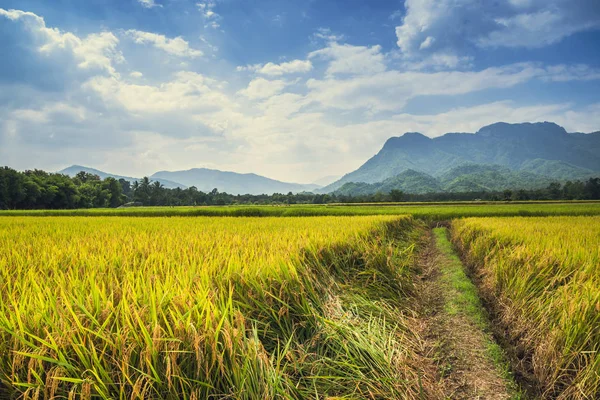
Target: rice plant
{"x":195,"y":308}
{"x":543,"y":274}
{"x":425,"y":211}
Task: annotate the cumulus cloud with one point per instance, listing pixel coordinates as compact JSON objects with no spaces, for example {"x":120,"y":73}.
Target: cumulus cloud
{"x":96,"y":51}
{"x":187,"y":91}
{"x":261,"y":88}
{"x":348,"y":59}
{"x":176,"y":46}
{"x":272,"y":69}
{"x":455,"y":27}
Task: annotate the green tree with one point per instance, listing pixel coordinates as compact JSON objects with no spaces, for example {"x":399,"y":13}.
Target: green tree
{"x":396,"y":195}
{"x":554,"y":191}
{"x":520,"y":195}
{"x":115,"y":191}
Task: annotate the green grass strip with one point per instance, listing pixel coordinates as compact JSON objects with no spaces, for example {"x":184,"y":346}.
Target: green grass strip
{"x":463,"y":299}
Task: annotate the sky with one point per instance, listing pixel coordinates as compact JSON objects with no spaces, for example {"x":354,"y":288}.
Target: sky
{"x":293,"y":90}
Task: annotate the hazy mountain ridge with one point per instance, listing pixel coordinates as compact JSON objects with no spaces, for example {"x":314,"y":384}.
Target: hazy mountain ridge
{"x":497,"y":157}
{"x":232,"y":182}
{"x":75,"y":169}
{"x":515,"y":146}
{"x":205,"y":180}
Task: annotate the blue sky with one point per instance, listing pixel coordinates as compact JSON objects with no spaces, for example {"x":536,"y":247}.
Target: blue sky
{"x":294,"y":90}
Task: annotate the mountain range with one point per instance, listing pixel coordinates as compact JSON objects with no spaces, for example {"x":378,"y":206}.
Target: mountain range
{"x":232,"y":182}
{"x":465,"y":178}
{"x":75,"y":169}
{"x":496,"y":157}
{"x":205,"y":180}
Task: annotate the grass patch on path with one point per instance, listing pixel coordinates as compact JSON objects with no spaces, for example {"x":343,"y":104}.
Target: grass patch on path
{"x":464,"y":299}
{"x":470,"y":363}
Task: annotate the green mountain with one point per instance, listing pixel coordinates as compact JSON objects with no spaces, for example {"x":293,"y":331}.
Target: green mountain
{"x":544,"y":149}
{"x":75,"y":169}
{"x":559,"y":170}
{"x":464,"y":178}
{"x":478,"y":177}
{"x":232,"y":182}
{"x":409,"y":181}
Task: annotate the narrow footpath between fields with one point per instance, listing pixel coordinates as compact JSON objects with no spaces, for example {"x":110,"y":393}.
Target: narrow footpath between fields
{"x":469,"y":364}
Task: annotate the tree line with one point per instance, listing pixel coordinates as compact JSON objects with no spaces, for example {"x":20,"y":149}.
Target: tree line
{"x":38,"y":189}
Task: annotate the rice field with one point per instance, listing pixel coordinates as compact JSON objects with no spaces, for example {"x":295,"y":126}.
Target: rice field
{"x":425,"y":211}
{"x":195,"y":308}
{"x":543,"y":277}
{"x":168,"y":303}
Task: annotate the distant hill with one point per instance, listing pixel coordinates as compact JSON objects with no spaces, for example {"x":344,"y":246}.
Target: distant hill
{"x":75,"y":169}
{"x":464,"y":178}
{"x":543,"y":149}
{"x":231,"y":182}
{"x":409,"y":181}
{"x":326,"y":180}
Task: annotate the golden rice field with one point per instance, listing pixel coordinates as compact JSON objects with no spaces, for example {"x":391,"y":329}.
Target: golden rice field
{"x":543,"y":275}
{"x":207,"y":307}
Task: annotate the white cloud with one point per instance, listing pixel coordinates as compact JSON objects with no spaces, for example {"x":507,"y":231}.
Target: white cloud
{"x":149,"y":3}
{"x":536,"y":29}
{"x":50,"y":112}
{"x":95,"y":51}
{"x":272,"y":69}
{"x":327,"y":35}
{"x":283,"y":105}
{"x":437,"y":62}
{"x":470,"y":119}
{"x":427,"y":42}
{"x":210,"y":17}
{"x":457,"y":27}
{"x":286,"y":129}
{"x":348,"y":59}
{"x":396,"y":15}
{"x":187,"y":91}
{"x":176,"y":46}
{"x":390,"y":90}
{"x":261,"y":88}
{"x":565,"y":73}
{"x":99,"y":50}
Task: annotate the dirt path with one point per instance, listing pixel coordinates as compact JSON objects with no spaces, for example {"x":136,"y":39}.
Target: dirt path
{"x":469,"y":364}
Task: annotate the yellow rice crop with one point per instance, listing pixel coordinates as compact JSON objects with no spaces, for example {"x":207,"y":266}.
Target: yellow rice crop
{"x":544,"y":275}
{"x":252,"y":308}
